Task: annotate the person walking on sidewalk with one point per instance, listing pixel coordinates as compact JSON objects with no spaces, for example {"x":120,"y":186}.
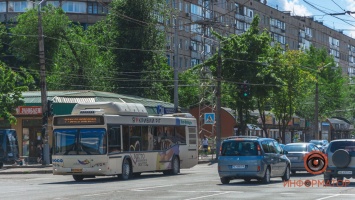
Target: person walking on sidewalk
{"x":205,"y":144}
{"x":39,"y":153}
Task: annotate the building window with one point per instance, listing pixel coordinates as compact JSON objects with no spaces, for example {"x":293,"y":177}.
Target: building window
{"x":187,"y":7}
{"x":197,"y":10}
{"x":2,"y":6}
{"x":19,"y":6}
{"x":308,"y":31}
{"x":98,"y":8}
{"x":194,"y":62}
{"x":74,"y":7}
{"x":53,"y":3}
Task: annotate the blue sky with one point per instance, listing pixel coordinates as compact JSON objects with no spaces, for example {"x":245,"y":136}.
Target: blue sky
{"x":320,"y":10}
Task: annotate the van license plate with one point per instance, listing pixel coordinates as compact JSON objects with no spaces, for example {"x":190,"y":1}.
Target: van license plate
{"x":77,"y":170}
{"x":345,"y":172}
{"x":238,"y":166}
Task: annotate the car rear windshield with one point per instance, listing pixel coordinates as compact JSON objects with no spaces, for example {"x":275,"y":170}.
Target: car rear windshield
{"x":347,"y":145}
{"x":295,"y":148}
{"x":317,"y":142}
{"x":239,"y":148}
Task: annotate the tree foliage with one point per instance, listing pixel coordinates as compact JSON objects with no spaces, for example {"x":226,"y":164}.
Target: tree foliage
{"x":11,"y":87}
{"x":139,"y":42}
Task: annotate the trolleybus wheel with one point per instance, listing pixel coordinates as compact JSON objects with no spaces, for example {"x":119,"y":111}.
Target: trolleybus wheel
{"x":78,"y":178}
{"x":126,"y":170}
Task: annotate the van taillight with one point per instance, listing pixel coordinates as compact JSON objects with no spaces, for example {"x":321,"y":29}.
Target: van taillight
{"x":220,"y":150}
{"x":258,"y":168}
{"x":259,"y":149}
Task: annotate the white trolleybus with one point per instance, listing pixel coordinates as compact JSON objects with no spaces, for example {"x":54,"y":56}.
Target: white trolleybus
{"x":109,"y":138}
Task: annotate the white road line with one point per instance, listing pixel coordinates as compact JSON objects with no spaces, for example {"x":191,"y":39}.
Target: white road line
{"x":287,"y":193}
{"x":98,"y":194}
{"x":160,"y":186}
{"x":335,"y":195}
{"x":208,"y":196}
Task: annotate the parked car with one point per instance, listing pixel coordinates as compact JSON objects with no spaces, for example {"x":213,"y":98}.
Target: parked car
{"x":341,"y":160}
{"x":9,"y":152}
{"x":296,"y":152}
{"x":321,"y":144}
{"x":252,"y":158}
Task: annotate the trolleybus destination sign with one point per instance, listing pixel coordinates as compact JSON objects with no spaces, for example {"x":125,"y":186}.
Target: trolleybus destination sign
{"x":78,"y":120}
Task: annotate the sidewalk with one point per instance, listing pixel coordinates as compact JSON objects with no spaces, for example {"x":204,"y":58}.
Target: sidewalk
{"x":47,"y":169}
{"x":26,"y":169}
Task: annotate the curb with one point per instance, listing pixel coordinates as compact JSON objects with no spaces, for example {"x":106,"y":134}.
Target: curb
{"x":27,"y":172}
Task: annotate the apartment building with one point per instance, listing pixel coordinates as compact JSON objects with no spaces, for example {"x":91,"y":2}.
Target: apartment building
{"x":198,"y":17}
{"x":86,"y":12}
{"x":189,"y":38}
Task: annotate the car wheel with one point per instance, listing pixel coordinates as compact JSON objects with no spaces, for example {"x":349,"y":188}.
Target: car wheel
{"x":266,"y":178}
{"x":225,"y":180}
{"x":286,"y":175}
{"x":126,"y":170}
{"x":341,"y":158}
{"x":78,"y":178}
{"x":247,"y":180}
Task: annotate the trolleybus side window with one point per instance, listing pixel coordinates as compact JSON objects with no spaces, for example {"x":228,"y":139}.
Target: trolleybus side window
{"x":114,"y":140}
{"x":135,"y":139}
{"x":180,"y":135}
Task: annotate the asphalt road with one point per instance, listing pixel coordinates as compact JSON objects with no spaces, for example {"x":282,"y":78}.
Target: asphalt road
{"x":199,"y":182}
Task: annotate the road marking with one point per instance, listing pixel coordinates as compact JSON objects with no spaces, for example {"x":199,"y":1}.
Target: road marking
{"x":144,"y":189}
{"x":335,"y":195}
{"x":208,"y":196}
{"x":98,"y":194}
{"x":287,"y":193}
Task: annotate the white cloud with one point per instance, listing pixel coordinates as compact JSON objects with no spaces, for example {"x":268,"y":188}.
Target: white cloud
{"x":290,"y":5}
{"x":350,"y":5}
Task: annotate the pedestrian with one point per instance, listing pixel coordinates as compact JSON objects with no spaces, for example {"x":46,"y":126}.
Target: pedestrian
{"x":205,"y":144}
{"x":39,"y":153}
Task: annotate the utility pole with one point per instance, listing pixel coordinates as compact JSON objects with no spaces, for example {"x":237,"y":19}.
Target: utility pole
{"x":176,"y":55}
{"x":316,"y":110}
{"x":218,"y":103}
{"x":43,"y":87}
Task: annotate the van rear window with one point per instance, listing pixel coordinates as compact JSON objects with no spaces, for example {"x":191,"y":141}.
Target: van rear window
{"x":239,"y":148}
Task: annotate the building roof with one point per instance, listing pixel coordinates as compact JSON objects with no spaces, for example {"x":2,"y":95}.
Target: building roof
{"x":89,"y":96}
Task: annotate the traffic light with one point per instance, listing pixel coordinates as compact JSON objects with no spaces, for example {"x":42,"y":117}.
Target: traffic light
{"x":50,"y":108}
{"x":245,"y":89}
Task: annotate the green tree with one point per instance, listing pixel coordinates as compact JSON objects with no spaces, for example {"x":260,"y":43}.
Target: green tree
{"x":243,"y":61}
{"x":189,"y":90}
{"x":138,"y":43}
{"x":24,"y":40}
{"x":322,"y":69}
{"x":293,"y":81}
{"x":11,"y":87}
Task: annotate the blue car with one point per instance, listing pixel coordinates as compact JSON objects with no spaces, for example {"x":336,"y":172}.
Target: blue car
{"x":252,"y":158}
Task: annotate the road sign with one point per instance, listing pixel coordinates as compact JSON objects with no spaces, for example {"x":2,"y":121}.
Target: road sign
{"x":209,"y":118}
